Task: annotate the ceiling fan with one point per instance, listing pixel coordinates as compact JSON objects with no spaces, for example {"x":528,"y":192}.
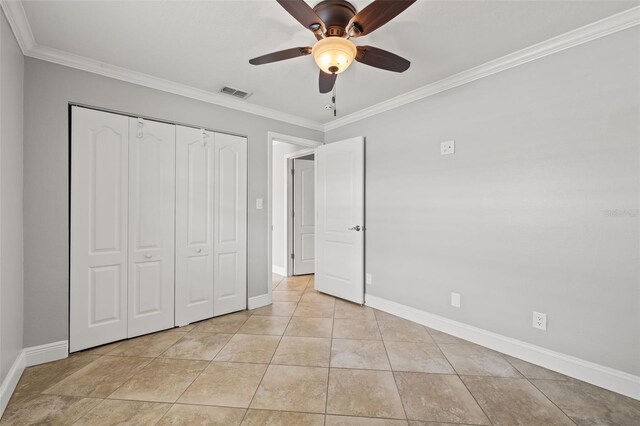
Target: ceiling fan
{"x":334,"y":23}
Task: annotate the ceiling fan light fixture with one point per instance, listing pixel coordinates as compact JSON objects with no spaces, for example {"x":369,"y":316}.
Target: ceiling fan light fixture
{"x":333,"y":55}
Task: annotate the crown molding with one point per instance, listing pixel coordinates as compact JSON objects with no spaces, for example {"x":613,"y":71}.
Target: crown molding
{"x":602,"y":28}
{"x":96,"y":67}
{"x":20,"y":25}
{"x":17,"y":18}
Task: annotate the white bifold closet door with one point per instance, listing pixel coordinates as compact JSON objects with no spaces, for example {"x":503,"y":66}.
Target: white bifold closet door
{"x":230,"y":224}
{"x":158,"y":226}
{"x":194,"y":224}
{"x":99,"y":198}
{"x":151,"y":226}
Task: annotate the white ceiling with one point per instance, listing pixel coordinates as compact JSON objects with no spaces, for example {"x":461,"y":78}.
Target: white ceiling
{"x":207,"y":44}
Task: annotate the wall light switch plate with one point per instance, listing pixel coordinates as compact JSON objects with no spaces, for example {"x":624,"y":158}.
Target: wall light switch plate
{"x":540,"y":321}
{"x":447,"y":148}
{"x":368,"y":279}
{"x":455,"y":300}
{"x":259,"y":203}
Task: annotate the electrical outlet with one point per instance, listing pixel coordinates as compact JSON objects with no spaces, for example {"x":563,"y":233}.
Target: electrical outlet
{"x":455,"y":300}
{"x":368,"y":279}
{"x":540,"y":320}
{"x":447,"y":148}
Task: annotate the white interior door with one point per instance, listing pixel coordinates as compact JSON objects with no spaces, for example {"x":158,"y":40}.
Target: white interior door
{"x":194,"y":225}
{"x":151,"y":226}
{"x":98,"y":281}
{"x":230,"y":224}
{"x":340,"y":219}
{"x":303,"y":217}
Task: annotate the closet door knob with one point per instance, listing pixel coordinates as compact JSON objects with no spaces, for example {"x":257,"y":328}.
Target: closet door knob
{"x":198,"y":250}
{"x":148,"y":255}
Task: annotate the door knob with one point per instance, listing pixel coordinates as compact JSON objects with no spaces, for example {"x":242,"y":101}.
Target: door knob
{"x":148,"y":255}
{"x":355,"y":228}
{"x":198,"y":250}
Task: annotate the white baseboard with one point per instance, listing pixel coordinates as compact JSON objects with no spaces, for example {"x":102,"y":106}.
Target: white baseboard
{"x":28,"y":357}
{"x":599,"y":375}
{"x":259,"y":301}
{"x":279,"y":270}
{"x":11,"y":381}
{"x":46,"y":353}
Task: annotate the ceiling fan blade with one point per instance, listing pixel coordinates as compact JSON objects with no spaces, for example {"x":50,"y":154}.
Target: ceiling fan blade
{"x":304,"y":14}
{"x":375,"y":15}
{"x":327,"y":81}
{"x":379,"y":58}
{"x":281,"y":55}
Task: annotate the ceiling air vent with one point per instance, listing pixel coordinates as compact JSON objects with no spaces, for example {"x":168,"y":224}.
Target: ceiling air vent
{"x":232,"y":91}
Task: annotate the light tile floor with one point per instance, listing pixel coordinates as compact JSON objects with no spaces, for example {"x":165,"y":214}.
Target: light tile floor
{"x":308,"y":359}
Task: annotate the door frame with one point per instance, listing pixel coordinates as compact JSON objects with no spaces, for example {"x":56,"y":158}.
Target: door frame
{"x":295,"y":140}
{"x":288,"y":223}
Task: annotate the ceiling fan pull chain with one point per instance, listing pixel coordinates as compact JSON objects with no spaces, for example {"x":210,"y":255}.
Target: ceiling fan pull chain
{"x":333,"y":100}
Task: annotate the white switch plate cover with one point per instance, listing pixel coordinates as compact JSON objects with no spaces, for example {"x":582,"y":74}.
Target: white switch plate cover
{"x":447,"y":148}
{"x":455,"y":299}
{"x":259,"y":204}
{"x":540,"y":320}
{"x":368,"y":279}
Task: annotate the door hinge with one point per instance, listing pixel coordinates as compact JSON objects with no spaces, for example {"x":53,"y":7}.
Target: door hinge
{"x":293,"y":214}
{"x":293,"y":172}
{"x":293,"y":256}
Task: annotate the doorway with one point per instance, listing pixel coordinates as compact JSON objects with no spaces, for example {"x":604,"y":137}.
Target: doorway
{"x":292,"y":206}
{"x":338,"y":214}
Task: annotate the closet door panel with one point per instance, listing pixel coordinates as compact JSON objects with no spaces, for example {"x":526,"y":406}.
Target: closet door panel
{"x":98,"y":275}
{"x":194,"y":224}
{"x":230,"y":231}
{"x":151,"y":226}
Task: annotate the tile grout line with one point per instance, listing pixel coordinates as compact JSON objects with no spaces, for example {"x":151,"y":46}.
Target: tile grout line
{"x":529,"y":381}
{"x":268,"y":365}
{"x":83,"y":415}
{"x":158,"y":356}
{"x":549,"y":399}
{"x":475,"y":399}
{"x":326,"y":400}
{"x":464,"y":384}
{"x":458,"y":375}
{"x":406,"y":416}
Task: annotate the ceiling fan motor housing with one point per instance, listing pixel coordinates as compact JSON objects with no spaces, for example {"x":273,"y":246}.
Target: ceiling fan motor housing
{"x":336,"y":15}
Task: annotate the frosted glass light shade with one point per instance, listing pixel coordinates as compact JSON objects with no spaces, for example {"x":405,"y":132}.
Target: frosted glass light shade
{"x":334,"y":54}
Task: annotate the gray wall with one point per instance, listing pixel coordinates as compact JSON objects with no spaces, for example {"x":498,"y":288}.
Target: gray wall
{"x":537,"y":209}
{"x":11,"y":250}
{"x":48,"y":89}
